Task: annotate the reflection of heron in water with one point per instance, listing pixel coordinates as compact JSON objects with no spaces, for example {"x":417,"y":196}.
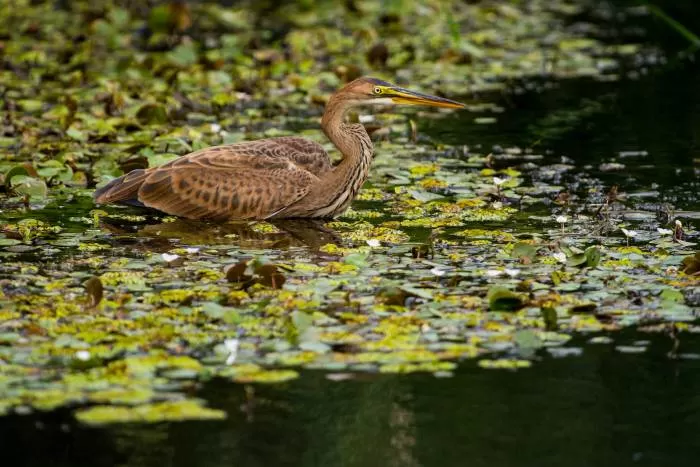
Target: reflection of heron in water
{"x":288,"y":233}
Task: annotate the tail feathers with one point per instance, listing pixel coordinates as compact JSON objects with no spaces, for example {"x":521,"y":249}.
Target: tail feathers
{"x":124,"y":189}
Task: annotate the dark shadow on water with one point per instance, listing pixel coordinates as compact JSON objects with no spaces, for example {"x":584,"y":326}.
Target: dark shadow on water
{"x":161,"y":236}
{"x":604,"y":408}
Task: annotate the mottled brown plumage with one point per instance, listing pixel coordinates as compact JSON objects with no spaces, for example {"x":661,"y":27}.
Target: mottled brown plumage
{"x":271,"y":178}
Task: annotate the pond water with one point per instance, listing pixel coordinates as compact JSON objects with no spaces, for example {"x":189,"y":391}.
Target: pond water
{"x":603,"y":407}
{"x":608,"y":397}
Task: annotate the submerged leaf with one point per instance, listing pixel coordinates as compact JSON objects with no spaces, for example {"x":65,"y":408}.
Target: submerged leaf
{"x":549,"y":315}
{"x":502,"y":299}
{"x":150,"y":114}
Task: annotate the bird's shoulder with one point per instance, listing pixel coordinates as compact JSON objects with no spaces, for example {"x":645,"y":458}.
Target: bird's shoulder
{"x":271,"y":153}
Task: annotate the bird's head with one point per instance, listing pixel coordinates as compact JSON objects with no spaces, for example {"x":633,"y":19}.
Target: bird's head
{"x":368,"y":90}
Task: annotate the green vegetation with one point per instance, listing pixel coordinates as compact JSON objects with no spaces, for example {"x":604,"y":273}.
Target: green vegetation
{"x":449,"y":253}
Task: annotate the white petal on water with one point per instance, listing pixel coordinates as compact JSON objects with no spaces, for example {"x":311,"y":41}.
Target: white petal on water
{"x":82,"y":355}
{"x":559,"y":352}
{"x":600,"y":340}
{"x":232,"y":346}
{"x":167,"y":257}
{"x":511,"y":272}
{"x":630,"y":349}
{"x":559,"y":256}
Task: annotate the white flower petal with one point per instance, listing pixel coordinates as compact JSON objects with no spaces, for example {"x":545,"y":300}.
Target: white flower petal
{"x":437,"y":271}
{"x":559,"y":256}
{"x":373,"y":242}
{"x":232,"y":346}
{"x":82,"y":355}
{"x":192,"y":250}
{"x":562,"y":219}
{"x":167,"y":257}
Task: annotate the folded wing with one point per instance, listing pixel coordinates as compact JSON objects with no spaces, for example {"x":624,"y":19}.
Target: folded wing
{"x":215,"y":183}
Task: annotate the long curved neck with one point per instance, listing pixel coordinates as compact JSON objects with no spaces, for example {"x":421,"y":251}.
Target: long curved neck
{"x":344,"y":181}
{"x":352,"y":141}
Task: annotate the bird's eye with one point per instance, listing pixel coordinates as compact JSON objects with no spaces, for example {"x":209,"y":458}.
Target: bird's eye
{"x":377,"y":90}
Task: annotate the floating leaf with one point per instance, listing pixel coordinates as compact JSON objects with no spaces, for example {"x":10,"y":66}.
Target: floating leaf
{"x":589,"y":258}
{"x":152,"y":114}
{"x":525,"y":252}
{"x":148,"y":413}
{"x":184,"y":54}
{"x":77,"y":135}
{"x":424,"y":196}
{"x":504,"y":364}
{"x":266,"y":376}
{"x":592,"y":255}
{"x":527,"y":342}
{"x":15,"y":170}
{"x":29,"y":186}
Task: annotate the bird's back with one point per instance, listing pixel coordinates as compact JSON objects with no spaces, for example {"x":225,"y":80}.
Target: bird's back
{"x":250,"y":179}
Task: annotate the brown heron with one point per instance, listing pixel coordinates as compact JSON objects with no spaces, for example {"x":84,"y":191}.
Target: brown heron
{"x":271,"y":178}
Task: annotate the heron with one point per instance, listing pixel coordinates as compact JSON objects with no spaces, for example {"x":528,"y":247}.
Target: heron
{"x":283,"y":177}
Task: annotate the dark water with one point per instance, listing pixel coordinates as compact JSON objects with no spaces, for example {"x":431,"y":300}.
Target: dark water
{"x":591,"y":123}
{"x":603,"y":408}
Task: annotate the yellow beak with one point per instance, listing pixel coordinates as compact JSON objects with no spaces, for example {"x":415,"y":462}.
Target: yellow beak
{"x":404,"y":96}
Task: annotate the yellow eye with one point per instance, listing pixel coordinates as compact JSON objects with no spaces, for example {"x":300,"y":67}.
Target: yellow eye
{"x":377,"y":90}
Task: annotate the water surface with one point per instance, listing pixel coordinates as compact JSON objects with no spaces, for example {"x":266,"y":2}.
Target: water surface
{"x":602,"y":407}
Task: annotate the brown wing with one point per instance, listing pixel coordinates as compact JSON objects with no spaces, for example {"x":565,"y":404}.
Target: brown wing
{"x":305,"y":153}
{"x":225,"y":185}
{"x":251,"y":179}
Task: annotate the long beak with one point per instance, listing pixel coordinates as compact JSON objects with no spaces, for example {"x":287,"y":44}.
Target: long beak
{"x":404,"y":96}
